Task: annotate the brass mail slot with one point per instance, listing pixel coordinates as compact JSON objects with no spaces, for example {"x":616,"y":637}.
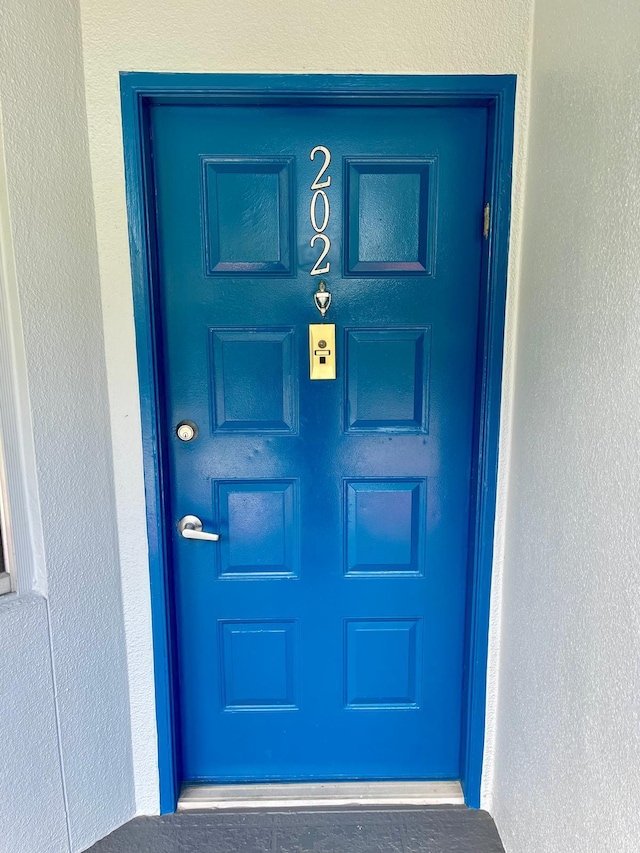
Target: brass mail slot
{"x":322,"y":351}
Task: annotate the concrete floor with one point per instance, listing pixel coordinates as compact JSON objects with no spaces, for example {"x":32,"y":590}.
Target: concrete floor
{"x":437,"y":829}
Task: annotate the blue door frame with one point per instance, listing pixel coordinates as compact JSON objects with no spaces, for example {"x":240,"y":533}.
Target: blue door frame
{"x":139,"y":91}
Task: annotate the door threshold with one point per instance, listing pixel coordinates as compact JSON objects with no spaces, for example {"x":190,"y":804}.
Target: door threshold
{"x":318,"y":794}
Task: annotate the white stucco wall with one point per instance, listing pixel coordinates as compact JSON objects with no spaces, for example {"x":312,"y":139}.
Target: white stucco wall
{"x":568,"y":738}
{"x":29,"y":757}
{"x":65,"y":748}
{"x":442,"y":36}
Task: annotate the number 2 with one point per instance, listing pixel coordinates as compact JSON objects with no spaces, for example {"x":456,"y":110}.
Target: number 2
{"x":318,"y":184}
{"x":323,"y":254}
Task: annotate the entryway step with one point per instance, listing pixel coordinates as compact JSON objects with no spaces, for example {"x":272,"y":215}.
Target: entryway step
{"x":443,"y":829}
{"x":319,"y":795}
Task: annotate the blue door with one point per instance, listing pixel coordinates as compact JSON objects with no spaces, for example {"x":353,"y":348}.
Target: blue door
{"x":321,"y":637}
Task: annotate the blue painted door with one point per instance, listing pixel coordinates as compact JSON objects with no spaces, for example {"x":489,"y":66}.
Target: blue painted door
{"x":322,"y":636}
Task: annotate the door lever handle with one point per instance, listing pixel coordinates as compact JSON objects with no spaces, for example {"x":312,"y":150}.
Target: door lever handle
{"x":191,"y":528}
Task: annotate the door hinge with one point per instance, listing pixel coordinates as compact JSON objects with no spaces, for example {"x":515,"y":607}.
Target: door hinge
{"x":486,"y":219}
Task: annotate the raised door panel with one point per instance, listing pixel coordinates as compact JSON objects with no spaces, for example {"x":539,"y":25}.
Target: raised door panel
{"x":248,"y":215}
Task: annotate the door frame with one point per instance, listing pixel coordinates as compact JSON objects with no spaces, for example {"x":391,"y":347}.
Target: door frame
{"x":140,"y":90}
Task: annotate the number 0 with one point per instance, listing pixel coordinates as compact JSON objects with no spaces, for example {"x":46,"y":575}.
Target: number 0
{"x":314,"y":204}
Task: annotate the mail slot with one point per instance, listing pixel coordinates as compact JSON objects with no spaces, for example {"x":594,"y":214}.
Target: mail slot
{"x":322,"y":351}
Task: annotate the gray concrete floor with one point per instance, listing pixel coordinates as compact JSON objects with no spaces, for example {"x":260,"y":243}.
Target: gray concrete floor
{"x":446,"y":829}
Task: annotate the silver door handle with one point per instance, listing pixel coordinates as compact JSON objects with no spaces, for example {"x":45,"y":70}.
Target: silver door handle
{"x":191,"y":528}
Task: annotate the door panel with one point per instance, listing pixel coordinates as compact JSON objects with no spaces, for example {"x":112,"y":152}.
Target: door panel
{"x":322,"y":636}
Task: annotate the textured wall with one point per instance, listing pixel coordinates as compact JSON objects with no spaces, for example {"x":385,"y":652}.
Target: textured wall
{"x":51,"y":206}
{"x":29,"y":758}
{"x":568,"y":746}
{"x":408,"y":36}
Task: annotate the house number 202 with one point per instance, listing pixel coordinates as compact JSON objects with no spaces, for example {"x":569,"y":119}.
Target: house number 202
{"x":319,"y":210}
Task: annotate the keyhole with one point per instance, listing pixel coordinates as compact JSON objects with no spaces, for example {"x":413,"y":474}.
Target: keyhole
{"x":186,"y":431}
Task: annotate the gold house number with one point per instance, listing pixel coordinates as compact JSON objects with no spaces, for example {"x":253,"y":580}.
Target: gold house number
{"x":319,"y":210}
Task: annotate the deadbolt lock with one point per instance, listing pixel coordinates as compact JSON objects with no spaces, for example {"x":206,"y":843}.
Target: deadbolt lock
{"x":322,"y":351}
{"x":186,"y":431}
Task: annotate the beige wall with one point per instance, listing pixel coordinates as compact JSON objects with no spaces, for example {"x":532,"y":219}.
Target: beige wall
{"x":408,"y":36}
{"x":568,"y":746}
